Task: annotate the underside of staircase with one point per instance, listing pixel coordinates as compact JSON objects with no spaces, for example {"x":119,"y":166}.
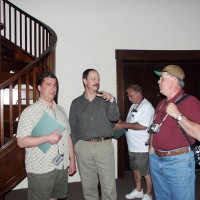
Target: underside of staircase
{"x":26,"y":51}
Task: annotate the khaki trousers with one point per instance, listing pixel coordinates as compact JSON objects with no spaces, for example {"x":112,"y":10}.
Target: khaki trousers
{"x":96,"y":162}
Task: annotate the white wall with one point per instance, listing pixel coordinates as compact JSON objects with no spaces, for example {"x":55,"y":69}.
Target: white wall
{"x":89,"y":31}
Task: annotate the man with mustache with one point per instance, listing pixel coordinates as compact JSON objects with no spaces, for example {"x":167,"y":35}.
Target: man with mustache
{"x":90,"y":116}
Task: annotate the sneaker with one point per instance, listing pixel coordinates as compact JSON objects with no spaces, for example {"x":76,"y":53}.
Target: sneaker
{"x":147,"y":197}
{"x":134,"y":194}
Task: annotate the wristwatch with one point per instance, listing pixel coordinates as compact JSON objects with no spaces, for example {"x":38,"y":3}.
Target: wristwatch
{"x":179,"y":118}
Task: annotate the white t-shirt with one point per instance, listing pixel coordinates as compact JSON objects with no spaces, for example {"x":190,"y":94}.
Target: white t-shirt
{"x":136,"y":138}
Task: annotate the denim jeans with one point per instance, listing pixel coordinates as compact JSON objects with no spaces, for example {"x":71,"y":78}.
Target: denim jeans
{"x":173,"y":176}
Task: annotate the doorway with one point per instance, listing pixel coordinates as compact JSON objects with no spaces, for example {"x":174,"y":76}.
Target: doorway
{"x":137,"y":67}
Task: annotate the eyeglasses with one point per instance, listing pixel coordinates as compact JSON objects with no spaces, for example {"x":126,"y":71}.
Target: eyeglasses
{"x":165,"y":76}
{"x":130,"y":96}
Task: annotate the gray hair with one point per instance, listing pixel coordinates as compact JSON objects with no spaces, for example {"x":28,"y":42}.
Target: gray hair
{"x":180,"y":82}
{"x":135,"y":88}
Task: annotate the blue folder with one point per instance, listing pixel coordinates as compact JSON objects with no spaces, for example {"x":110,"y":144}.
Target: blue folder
{"x":46,"y":125}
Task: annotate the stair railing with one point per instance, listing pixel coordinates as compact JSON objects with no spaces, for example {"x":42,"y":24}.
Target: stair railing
{"x":38,"y":41}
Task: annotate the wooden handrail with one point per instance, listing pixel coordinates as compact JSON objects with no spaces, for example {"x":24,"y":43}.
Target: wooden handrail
{"x":37,"y":42}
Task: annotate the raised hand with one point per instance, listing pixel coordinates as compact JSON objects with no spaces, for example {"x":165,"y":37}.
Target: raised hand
{"x":106,"y":96}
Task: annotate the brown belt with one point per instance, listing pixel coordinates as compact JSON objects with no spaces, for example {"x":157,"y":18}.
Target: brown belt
{"x":171,"y":153}
{"x":100,"y":139}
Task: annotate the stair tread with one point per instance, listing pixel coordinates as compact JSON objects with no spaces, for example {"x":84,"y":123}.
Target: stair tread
{"x":14,"y":60}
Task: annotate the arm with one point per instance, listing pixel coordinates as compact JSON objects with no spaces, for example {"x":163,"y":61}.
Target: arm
{"x":112,"y":109}
{"x":151,"y":149}
{"x":72,"y":165}
{"x":191,"y":128}
{"x":30,"y":142}
{"x":73,"y":122}
{"x":140,"y":121}
{"x":133,"y":126}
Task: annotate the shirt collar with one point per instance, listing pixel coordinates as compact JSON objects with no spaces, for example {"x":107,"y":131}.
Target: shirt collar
{"x":45,"y":105}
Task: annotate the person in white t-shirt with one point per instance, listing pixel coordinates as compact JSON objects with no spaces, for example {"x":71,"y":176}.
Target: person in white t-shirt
{"x":140,"y":116}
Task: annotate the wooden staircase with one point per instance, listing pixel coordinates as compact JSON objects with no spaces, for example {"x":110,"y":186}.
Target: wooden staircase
{"x":13,"y":60}
{"x":27,"y":49}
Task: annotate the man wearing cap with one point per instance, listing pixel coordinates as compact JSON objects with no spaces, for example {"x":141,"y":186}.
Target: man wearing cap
{"x":171,"y":160}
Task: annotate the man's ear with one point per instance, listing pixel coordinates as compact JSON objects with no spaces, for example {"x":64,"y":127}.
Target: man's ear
{"x":39,"y":88}
{"x":84,"y":81}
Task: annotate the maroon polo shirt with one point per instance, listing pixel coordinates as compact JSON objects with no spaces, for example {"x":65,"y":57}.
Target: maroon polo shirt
{"x":170,"y":136}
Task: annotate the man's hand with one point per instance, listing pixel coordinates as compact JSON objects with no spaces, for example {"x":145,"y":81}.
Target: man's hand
{"x":120,"y":125}
{"x":72,"y":168}
{"x":172,"y":110}
{"x":54,"y":137}
{"x":106,"y":96}
{"x":151,"y":149}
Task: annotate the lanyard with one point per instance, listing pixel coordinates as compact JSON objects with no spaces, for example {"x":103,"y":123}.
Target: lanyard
{"x":131,"y":113}
{"x":158,"y":112}
{"x":135,"y":108}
